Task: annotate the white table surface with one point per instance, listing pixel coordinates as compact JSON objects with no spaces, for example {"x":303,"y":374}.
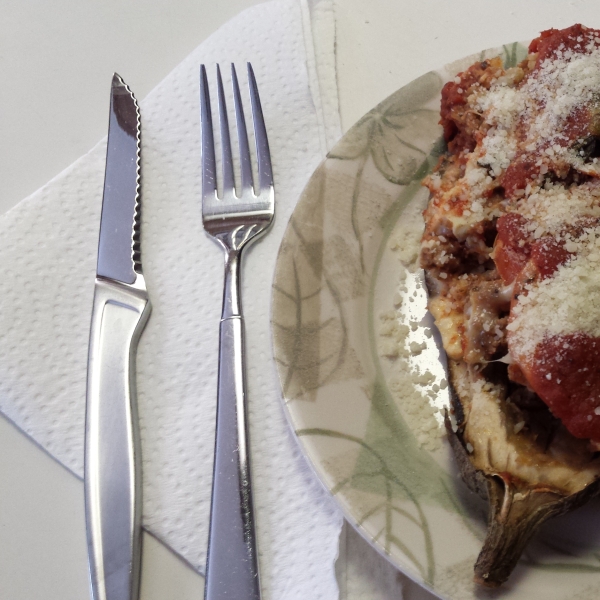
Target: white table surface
{"x":55,"y":61}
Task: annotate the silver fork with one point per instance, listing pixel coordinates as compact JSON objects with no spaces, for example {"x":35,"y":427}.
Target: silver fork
{"x":234,"y":221}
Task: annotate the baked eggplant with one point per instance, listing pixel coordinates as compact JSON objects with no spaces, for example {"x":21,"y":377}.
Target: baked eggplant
{"x":514,"y":453}
{"x":511,"y":253}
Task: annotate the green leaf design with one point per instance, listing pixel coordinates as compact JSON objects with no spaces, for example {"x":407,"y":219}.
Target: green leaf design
{"x":355,"y":143}
{"x":401,"y":138}
{"x":513,"y":54}
{"x":396,"y":166}
{"x":311,"y":343}
{"x":396,"y":133}
{"x":390,"y":445}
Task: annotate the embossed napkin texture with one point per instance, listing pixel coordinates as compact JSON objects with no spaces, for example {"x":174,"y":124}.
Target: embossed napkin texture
{"x":48,"y":246}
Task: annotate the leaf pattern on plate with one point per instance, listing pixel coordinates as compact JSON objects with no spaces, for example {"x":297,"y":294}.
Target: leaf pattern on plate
{"x":513,"y":54}
{"x":395,"y":133}
{"x":310,"y":330}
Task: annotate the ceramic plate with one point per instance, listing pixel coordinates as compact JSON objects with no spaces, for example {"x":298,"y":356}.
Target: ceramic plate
{"x":361,"y":371}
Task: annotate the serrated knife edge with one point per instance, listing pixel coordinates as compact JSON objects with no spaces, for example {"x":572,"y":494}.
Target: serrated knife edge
{"x":119,"y":248}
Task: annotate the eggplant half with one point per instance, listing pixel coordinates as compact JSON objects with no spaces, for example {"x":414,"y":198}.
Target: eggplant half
{"x":511,"y":451}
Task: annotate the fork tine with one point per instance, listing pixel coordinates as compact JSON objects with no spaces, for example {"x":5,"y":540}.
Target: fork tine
{"x":265,"y":172}
{"x":209,"y":180}
{"x":227,"y":159}
{"x":246,"y":167}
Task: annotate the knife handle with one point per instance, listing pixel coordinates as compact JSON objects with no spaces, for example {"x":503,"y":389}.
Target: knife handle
{"x":231,"y":564}
{"x":112,"y":457}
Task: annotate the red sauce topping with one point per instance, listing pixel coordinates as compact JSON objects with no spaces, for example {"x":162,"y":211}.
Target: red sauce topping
{"x":512,"y":247}
{"x":521,"y":171}
{"x":450,"y":98}
{"x":547,"y":255}
{"x":565,"y":373}
{"x":524,"y":168}
{"x":564,"y":370}
{"x":457,"y":120}
{"x":550,"y":41}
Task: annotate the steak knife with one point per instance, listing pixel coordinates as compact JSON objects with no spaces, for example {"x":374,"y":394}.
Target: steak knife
{"x":120,"y":311}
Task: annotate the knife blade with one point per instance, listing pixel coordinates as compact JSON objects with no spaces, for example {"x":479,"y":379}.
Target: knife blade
{"x":119,"y":313}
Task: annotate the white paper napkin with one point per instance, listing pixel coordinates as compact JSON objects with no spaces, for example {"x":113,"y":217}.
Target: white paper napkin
{"x":48,"y":247}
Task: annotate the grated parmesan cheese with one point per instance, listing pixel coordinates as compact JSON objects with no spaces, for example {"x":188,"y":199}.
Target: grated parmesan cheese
{"x":560,"y":305}
{"x":548,"y":208}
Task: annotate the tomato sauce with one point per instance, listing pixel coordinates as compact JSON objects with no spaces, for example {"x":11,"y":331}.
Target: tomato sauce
{"x":459,"y":123}
{"x":512,"y":247}
{"x":565,"y":373}
{"x":564,"y":370}
{"x":574,"y":38}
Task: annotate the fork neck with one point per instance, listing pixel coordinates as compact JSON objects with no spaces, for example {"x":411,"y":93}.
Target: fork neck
{"x":232,"y":301}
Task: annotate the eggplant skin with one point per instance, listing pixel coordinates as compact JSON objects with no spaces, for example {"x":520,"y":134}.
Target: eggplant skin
{"x":516,"y":508}
{"x":474,"y":479}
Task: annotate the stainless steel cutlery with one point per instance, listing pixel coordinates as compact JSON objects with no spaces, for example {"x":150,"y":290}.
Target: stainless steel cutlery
{"x":120,"y":311}
{"x":234,"y":220}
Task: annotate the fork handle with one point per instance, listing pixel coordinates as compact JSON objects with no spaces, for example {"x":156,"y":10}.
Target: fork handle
{"x":232,"y":565}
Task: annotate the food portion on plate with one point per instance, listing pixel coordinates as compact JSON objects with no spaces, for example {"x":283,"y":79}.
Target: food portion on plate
{"x":511,"y":252}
